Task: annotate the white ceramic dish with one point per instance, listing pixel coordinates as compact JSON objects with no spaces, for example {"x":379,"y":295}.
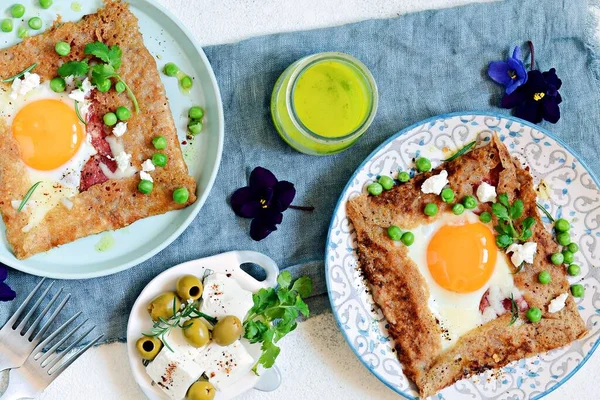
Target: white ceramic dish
{"x":574,"y":190}
{"x":168,"y":40}
{"x":226,"y":263}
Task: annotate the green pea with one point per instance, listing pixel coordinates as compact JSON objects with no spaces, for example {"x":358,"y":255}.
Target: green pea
{"x":573,"y":270}
{"x":557,"y":258}
{"x":534,"y":314}
{"x":386,"y":182}
{"x":35,"y":23}
{"x":408,"y":238}
{"x":123,"y":113}
{"x":181,"y":195}
{"x":62,"y":48}
{"x":375,"y":189}
{"x":423,"y":164}
{"x":6,"y":25}
{"x":403,"y":176}
{"x":577,"y":290}
{"x":159,"y":143}
{"x":394,"y":233}
{"x":573,"y":248}
{"x":562,"y":225}
{"x":485,"y":217}
{"x":569,"y":257}
{"x":160,"y":160}
{"x":45,"y":4}
{"x":447,"y":195}
{"x":458,"y":209}
{"x":196,"y":112}
{"x":171,"y":69}
{"x":186,"y":82}
{"x":544,"y":277}
{"x":17,"y":11}
{"x":563,"y":238}
{"x":103,"y":85}
{"x":22,"y":32}
{"x":120,"y":87}
{"x":110,"y":119}
{"x":58,"y":85}
{"x":430,"y":209}
{"x":145,"y":186}
{"x":470,"y":202}
{"x":195,"y":127}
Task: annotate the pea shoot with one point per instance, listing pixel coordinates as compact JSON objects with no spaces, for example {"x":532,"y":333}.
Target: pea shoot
{"x":196,"y":112}
{"x":408,"y":238}
{"x":181,"y":195}
{"x":123,"y":113}
{"x":35,"y":23}
{"x":577,"y":290}
{"x":431,"y":209}
{"x":485,"y":217}
{"x":375,"y":189}
{"x":470,"y":202}
{"x":110,"y":119}
{"x":159,"y":143}
{"x":62,"y":48}
{"x":458,"y":209}
{"x":573,"y":270}
{"x":544,"y":277}
{"x":171,"y":69}
{"x":45,"y":4}
{"x":423,"y":164}
{"x":403,"y":176}
{"x":195,"y":127}
{"x":386,"y":182}
{"x":158,"y":159}
{"x":145,"y":186}
{"x":17,"y":11}
{"x":534,"y":314}
{"x":58,"y":85}
{"x":6,"y":25}
{"x":274,"y":315}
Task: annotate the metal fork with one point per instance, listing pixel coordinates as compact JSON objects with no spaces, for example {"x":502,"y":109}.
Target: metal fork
{"x":40,"y":369}
{"x":16,"y":342}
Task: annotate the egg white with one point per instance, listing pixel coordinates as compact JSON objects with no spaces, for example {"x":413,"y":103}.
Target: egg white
{"x":58,"y":185}
{"x":458,"y":313}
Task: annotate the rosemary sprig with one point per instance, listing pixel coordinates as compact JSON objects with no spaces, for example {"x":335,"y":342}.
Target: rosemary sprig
{"x":514,"y":309}
{"x":27,"y":196}
{"x":78,"y":113}
{"x":541,"y":207}
{"x":163,"y":326}
{"x":20,"y":74}
{"x":462,"y":151}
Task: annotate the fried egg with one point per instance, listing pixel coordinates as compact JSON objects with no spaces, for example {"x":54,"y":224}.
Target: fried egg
{"x":459,"y":260}
{"x":53,"y":144}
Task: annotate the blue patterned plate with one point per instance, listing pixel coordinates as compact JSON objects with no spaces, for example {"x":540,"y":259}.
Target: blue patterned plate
{"x":573,"y":194}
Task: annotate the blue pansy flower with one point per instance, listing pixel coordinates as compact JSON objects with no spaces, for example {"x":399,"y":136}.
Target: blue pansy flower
{"x":510,"y":73}
{"x":6,"y":293}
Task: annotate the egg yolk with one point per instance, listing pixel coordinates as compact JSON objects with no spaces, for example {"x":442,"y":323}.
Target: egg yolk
{"x":461,"y":258}
{"x":48,"y":133}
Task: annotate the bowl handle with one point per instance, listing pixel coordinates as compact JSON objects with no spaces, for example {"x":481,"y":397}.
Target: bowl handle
{"x":265,"y":262}
{"x":270,"y":380}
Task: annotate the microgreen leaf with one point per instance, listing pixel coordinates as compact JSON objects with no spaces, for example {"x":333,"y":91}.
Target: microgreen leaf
{"x":514,"y":309}
{"x":528,"y":222}
{"x":503,"y":199}
{"x":27,"y":196}
{"x":302,"y":307}
{"x":516,"y":210}
{"x":541,"y":207}
{"x":462,"y":151}
{"x":284,"y":280}
{"x":500,"y":211}
{"x":74,"y":68}
{"x":111,"y":56}
{"x":303,"y":286}
{"x":504,"y":241}
{"x":20,"y":74}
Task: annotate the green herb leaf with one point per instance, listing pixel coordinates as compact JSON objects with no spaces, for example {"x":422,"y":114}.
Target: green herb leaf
{"x":500,"y":211}
{"x":527,"y":233}
{"x":528,"y":222}
{"x":462,"y":151}
{"x":516,"y":210}
{"x":111,"y":56}
{"x":503,"y":199}
{"x":303,"y":286}
{"x":284,"y":280}
{"x":74,"y":68}
{"x":302,"y":306}
{"x":514,"y":309}
{"x":20,"y":74}
{"x":27,"y":196}
{"x":541,"y":207}
{"x":504,"y":241}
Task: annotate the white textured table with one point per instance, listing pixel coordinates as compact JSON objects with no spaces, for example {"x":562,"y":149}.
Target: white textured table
{"x":315,"y":360}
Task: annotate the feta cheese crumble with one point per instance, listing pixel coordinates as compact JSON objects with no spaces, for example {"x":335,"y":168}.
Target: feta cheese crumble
{"x":434,"y":184}
{"x":120,"y":129}
{"x":486,"y":193}
{"x":146,"y":177}
{"x":147,"y":166}
{"x":22,"y":86}
{"x":522,"y":253}
{"x":558,"y":303}
{"x":80,"y":94}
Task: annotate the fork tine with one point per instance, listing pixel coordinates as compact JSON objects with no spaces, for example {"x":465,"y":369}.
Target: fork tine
{"x":61,"y":355}
{"x":42,"y":315}
{"x":74,"y":357}
{"x":41,"y":346}
{"x":53,"y":316}
{"x":17,"y":314}
{"x":21,"y":326}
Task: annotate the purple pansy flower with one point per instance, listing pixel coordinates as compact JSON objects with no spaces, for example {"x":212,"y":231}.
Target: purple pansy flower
{"x":6,"y":293}
{"x":538,"y":99}
{"x":264,"y":200}
{"x":510,"y":73}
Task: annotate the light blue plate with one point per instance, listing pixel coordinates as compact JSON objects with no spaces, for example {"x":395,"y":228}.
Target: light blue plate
{"x":572,"y":186}
{"x":168,"y":40}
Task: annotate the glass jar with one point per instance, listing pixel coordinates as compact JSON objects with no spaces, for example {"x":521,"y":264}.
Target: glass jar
{"x":323,"y":103}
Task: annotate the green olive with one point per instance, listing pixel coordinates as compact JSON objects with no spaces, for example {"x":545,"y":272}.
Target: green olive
{"x":201,"y":390}
{"x":162,"y":306}
{"x":148,"y":347}
{"x":197,"y":333}
{"x":227,"y":330}
{"x":189,"y":287}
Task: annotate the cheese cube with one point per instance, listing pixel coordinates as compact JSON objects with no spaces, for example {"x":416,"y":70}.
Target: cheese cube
{"x":174,"y":373}
{"x":225,"y":365}
{"x":223,"y":296}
